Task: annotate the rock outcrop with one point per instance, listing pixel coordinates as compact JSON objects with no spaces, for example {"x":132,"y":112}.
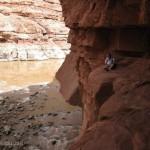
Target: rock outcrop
{"x":116,"y":107}
{"x":32,"y":30}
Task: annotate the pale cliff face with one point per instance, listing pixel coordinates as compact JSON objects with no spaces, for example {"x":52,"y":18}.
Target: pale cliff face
{"x":32,"y":29}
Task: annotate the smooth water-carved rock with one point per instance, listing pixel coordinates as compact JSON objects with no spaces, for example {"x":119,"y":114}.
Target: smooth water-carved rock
{"x":32,"y":30}
{"x":115,"y":103}
{"x":68,"y":76}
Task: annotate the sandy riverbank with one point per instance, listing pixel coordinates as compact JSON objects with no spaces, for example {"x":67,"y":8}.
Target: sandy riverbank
{"x":37,"y":118}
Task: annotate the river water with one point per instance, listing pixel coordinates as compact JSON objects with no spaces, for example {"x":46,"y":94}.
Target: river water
{"x":22,"y":79}
{"x":18,"y":74}
{"x":33,"y":108}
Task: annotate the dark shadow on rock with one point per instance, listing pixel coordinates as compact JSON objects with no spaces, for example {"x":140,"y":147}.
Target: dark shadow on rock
{"x":105,"y":91}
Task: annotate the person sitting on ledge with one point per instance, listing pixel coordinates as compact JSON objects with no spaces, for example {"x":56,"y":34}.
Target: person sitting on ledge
{"x":109,"y":62}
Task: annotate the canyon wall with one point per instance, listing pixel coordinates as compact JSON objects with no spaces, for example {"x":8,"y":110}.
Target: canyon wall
{"x":32,"y":30}
{"x":116,"y":106}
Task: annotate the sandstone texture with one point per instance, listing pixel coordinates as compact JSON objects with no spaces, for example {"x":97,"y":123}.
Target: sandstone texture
{"x":32,"y":30}
{"x":116,"y":107}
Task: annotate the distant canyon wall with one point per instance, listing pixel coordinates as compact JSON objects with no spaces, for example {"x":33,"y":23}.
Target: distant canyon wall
{"x":32,"y":30}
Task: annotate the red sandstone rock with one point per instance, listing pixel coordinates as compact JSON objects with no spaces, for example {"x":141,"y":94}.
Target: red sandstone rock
{"x":128,"y":130}
{"x":106,"y":13}
{"x":69,"y":80}
{"x":115,"y":104}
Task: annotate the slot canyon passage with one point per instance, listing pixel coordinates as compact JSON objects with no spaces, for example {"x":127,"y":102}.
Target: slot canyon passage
{"x":116,"y":103}
{"x":33,"y":45}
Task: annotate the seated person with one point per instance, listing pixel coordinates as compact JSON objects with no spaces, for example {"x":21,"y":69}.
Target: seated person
{"x":109,"y":62}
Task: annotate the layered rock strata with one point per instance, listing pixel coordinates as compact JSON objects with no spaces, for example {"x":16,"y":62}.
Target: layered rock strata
{"x":32,"y":30}
{"x":116,"y":108}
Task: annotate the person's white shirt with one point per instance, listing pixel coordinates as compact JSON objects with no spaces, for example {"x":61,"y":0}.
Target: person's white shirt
{"x":109,"y":61}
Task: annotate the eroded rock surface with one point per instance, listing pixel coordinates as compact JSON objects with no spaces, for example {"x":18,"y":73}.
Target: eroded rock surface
{"x":32,"y":30}
{"x":115,"y":104}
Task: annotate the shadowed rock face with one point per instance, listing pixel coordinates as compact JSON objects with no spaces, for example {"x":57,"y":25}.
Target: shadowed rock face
{"x":32,"y":30}
{"x":115,"y":104}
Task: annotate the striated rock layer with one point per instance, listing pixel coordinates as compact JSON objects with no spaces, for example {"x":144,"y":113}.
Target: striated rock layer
{"x":32,"y":30}
{"x":116,"y":106}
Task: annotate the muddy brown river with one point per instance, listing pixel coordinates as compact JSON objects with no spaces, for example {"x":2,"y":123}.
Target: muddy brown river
{"x":18,"y":74}
{"x":33,"y":113}
{"x":20,"y":79}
